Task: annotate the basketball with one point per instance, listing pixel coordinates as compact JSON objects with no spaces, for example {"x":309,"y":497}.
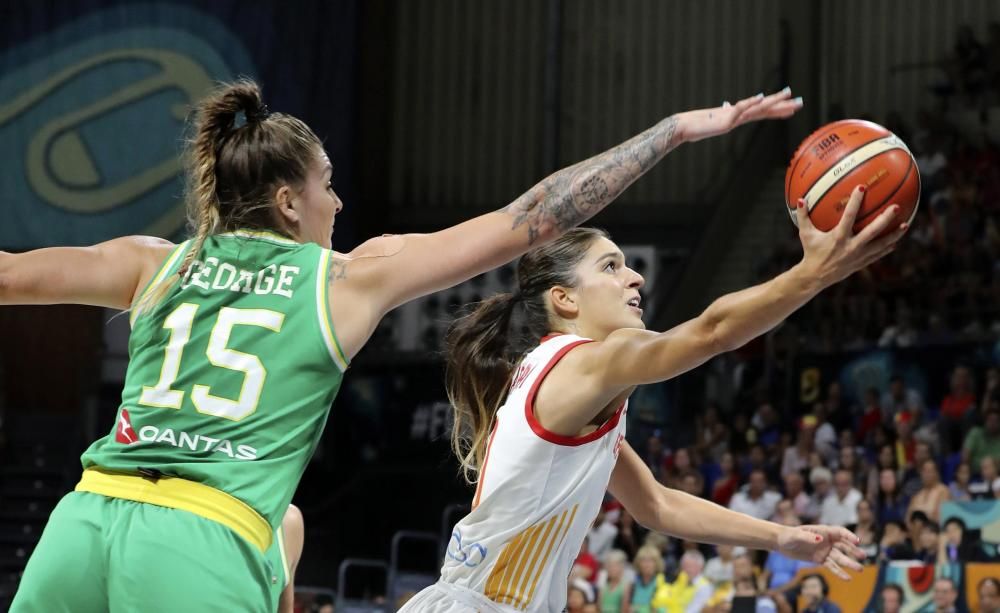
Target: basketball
{"x":836,"y":158}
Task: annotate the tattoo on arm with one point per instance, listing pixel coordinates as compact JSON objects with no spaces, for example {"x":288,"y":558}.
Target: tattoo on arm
{"x":572,"y":195}
{"x":338,"y":271}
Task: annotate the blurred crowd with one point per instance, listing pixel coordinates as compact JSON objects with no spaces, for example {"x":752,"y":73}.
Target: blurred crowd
{"x":882,"y":469}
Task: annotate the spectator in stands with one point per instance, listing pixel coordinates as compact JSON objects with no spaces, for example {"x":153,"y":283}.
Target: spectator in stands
{"x":795,"y":492}
{"x":605,"y":529}
{"x":895,"y":543}
{"x":693,"y":484}
{"x":719,"y":569}
{"x":902,"y":332}
{"x":648,"y":565}
{"x":928,"y":543}
{"x":983,"y":441}
{"x":901,"y":398}
{"x":815,"y":590}
{"x":912,"y":479}
{"x":932,"y":492}
{"x":579,"y":596}
{"x":840,"y":508}
{"x":755,"y":499}
{"x":890,"y":504}
{"x":945,"y":595}
{"x":820,"y":478}
{"x":871,"y":416}
{"x":657,"y":455}
{"x":628,"y":537}
{"x":988,"y":591}
{"x":849,"y":461}
{"x":891,"y":598}
{"x":956,"y":408}
{"x":727,"y":482}
{"x":613,"y":585}
{"x":690,"y":591}
{"x":826,"y":434}
{"x":758,"y":458}
{"x":586,"y":565}
{"x":867,"y":531}
{"x":954,"y":546}
{"x":796,"y":457}
{"x":785,"y":514}
{"x":884,"y":460}
{"x":712,"y":434}
{"x":780,"y":570}
{"x":906,"y":444}
{"x":741,"y":436}
{"x":679,"y":465}
{"x":744,"y":590}
{"x":959,"y":486}
{"x":987,"y":486}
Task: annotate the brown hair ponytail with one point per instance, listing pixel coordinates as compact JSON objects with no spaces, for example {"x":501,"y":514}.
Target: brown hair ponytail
{"x":233,"y":169}
{"x":481,"y":356}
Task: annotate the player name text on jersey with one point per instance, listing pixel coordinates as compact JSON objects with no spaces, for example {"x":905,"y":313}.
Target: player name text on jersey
{"x":215,"y":275}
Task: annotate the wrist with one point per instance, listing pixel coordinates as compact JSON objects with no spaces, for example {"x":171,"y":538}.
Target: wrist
{"x":779,"y":536}
{"x":682,"y":127}
{"x":808,"y":276}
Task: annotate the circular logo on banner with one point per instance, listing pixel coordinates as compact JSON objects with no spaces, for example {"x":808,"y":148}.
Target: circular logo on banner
{"x":92,"y":121}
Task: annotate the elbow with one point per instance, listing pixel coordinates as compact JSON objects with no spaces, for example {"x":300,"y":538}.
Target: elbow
{"x":717,"y":336}
{"x":648,"y":513}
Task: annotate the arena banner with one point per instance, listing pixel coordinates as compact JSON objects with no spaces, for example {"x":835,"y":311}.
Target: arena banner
{"x":863,"y":591}
{"x":981,"y":532}
{"x":94,"y":98}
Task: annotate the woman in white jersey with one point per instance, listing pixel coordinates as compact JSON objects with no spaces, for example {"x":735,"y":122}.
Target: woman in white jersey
{"x":544,"y":434}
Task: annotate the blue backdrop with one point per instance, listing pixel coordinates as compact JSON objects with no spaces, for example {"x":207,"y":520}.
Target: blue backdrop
{"x":94,"y":96}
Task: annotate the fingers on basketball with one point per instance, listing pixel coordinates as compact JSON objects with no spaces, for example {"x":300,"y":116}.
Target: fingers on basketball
{"x":802,"y":219}
{"x":851,"y":211}
{"x":884,"y":219}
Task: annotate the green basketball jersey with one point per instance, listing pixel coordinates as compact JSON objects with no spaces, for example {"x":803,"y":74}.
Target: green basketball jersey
{"x":232,"y":374}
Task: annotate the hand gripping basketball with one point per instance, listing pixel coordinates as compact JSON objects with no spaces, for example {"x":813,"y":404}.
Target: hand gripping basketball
{"x":834,"y":255}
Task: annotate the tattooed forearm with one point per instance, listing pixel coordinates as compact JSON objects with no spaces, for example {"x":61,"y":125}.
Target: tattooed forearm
{"x":573,"y":195}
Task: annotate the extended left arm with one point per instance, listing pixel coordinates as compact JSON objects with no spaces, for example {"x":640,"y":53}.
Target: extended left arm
{"x":684,"y":516}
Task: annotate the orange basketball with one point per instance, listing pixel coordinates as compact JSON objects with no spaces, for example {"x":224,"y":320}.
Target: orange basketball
{"x":833,"y":160}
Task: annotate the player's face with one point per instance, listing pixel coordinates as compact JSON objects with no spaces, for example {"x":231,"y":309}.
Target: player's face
{"x":607,"y":295}
{"x":318,"y":203}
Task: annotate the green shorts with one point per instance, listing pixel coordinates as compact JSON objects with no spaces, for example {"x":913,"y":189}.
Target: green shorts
{"x":108,"y":554}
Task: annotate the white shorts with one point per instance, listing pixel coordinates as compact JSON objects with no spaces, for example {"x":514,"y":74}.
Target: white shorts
{"x":448,"y":598}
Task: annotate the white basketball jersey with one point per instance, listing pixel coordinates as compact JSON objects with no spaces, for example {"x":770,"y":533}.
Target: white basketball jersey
{"x":538,"y":495}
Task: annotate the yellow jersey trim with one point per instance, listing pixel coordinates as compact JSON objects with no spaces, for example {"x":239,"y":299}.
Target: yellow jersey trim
{"x":280,"y":535}
{"x":168,"y":265}
{"x":323,"y":311}
{"x":177,"y":493}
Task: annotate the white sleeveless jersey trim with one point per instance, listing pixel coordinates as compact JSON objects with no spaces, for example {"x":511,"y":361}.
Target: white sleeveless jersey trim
{"x":529,"y":404}
{"x":537,"y":495}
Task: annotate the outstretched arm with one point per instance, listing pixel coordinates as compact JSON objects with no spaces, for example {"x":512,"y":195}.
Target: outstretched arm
{"x":415,"y":265}
{"x":108,"y":274}
{"x":630,"y":357}
{"x":688,"y":517}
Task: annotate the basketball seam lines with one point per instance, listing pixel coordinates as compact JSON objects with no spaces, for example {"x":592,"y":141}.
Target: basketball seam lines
{"x":820,"y":197}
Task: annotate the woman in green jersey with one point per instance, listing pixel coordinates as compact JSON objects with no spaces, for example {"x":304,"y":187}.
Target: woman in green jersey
{"x":240,"y":337}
